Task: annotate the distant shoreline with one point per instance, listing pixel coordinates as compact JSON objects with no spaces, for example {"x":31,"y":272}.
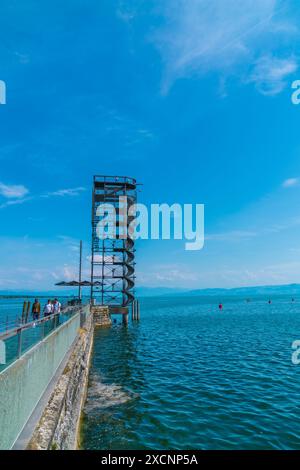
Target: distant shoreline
{"x":27,"y":296}
{"x":143,"y":292}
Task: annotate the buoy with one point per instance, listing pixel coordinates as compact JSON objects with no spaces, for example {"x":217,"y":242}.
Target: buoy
{"x":270,"y":301}
{"x":220,"y":306}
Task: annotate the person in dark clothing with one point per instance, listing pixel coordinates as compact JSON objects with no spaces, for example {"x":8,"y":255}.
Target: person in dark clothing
{"x":36,"y":310}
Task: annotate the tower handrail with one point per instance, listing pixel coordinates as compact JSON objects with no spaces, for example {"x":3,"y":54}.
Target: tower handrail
{"x":115,"y":179}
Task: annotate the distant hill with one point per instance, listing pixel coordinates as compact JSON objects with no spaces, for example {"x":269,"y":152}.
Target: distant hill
{"x":158,"y":291}
{"x":289,"y":289}
{"x":141,"y":291}
{"x":30,"y":293}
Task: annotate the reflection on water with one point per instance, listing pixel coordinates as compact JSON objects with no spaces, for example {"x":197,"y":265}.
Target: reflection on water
{"x":192,"y":377}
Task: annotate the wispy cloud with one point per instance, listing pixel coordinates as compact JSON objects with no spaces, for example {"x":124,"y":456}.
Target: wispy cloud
{"x":14,"y":202}
{"x":233,"y":235}
{"x":169,"y":274}
{"x":13,"y":194}
{"x":262,"y":230}
{"x":202,"y":36}
{"x":71,"y":192}
{"x":13,"y":191}
{"x":270,"y":74}
{"x":125,"y":12}
{"x":290,"y":182}
{"x":16,"y":195}
{"x":129,"y":130}
{"x":38,"y":263}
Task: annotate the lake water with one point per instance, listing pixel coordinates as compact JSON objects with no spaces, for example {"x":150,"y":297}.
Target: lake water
{"x":189,"y":376}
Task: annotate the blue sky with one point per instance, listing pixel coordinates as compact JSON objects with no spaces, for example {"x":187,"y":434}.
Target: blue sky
{"x":193,"y":98}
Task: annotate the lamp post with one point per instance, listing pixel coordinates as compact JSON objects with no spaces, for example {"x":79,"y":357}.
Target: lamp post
{"x":80,"y":271}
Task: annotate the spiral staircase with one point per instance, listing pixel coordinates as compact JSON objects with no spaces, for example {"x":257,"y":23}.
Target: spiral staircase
{"x":113,"y":258}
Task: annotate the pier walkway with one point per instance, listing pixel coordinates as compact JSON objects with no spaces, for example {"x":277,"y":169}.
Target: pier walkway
{"x":34,"y":352}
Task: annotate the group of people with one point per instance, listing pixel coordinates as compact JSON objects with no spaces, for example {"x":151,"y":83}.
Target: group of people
{"x":50,"y":308}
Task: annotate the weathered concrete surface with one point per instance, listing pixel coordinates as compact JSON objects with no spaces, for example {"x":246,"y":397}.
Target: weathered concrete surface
{"x":59,"y":425}
{"x":101,"y":315}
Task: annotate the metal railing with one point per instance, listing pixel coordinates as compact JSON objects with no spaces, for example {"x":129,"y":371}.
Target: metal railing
{"x":114,"y":178}
{"x":9,"y":323}
{"x":19,"y":339}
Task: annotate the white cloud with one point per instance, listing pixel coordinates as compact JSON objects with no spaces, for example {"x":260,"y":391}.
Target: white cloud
{"x":66,"y":192}
{"x":13,"y":202}
{"x":261,"y":230}
{"x":39,"y":263}
{"x":130,"y":131}
{"x":270,"y":74}
{"x":202,"y":36}
{"x":70,"y":273}
{"x":284,"y":273}
{"x":290,"y":182}
{"x":169,"y":275}
{"x":233,"y":235}
{"x":18,"y":193}
{"x":13,"y":191}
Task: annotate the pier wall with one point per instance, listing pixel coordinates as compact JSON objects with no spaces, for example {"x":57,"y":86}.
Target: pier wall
{"x":24,"y":383}
{"x":101,"y":315}
{"x":58,"y":428}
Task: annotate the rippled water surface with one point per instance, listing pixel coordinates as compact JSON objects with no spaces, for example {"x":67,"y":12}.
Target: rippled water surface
{"x":191,"y":377}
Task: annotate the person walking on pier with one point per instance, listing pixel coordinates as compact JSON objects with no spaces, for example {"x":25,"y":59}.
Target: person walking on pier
{"x":56,"y":310}
{"x":56,"y":306}
{"x":48,"y":309}
{"x":36,"y":310}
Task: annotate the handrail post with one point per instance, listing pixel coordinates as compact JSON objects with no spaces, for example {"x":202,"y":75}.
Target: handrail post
{"x":27,"y":312}
{"x":43,"y":330}
{"x":56,"y":320}
{"x":19,"y":342}
{"x":24,"y":311}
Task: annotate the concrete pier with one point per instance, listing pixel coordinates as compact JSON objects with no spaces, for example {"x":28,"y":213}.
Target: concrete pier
{"x":43,"y":392}
{"x":101,"y":315}
{"x":58,"y":427}
{"x":26,"y":384}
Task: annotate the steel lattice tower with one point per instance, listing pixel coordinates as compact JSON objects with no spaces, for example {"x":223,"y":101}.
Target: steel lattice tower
{"x":112,"y":263}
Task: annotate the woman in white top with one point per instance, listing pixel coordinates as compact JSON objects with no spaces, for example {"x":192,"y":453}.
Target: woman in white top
{"x":48,"y":309}
{"x":56,"y":306}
